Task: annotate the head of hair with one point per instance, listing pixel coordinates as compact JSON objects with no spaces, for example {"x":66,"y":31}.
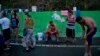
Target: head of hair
{"x":51,"y":22}
{"x":14,"y":11}
{"x":70,"y":11}
{"x":27,"y":14}
{"x":78,"y":19}
{"x":4,"y":14}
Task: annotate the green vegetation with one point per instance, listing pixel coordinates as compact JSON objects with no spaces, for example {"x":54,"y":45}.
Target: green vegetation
{"x":51,"y":5}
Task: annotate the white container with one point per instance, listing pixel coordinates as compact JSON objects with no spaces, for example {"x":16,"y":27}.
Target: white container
{"x":40,"y":36}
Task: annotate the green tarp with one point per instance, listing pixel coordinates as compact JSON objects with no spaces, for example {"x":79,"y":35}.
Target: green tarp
{"x":41,"y":20}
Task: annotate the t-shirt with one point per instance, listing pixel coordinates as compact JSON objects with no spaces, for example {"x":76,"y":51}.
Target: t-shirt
{"x":51,"y":28}
{"x":5,"y":23}
{"x":71,"y":22}
{"x":29,"y":23}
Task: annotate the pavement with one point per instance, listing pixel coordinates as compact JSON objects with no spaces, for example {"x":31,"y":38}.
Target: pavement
{"x":53,"y":48}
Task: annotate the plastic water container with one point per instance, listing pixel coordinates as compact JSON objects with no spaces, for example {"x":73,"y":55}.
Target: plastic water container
{"x":40,"y":36}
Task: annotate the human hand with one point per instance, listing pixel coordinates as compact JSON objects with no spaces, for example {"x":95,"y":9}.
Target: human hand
{"x":84,"y":37}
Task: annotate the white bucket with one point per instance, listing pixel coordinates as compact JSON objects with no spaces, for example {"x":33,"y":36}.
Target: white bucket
{"x":40,"y":36}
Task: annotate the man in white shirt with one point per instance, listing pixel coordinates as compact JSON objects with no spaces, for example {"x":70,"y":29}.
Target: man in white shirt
{"x":5,"y":23}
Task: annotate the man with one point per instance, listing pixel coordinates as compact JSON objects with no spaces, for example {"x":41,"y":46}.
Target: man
{"x":88,"y":35}
{"x":5,"y":23}
{"x":28,"y":33}
{"x":70,"y":28}
{"x":51,"y":30}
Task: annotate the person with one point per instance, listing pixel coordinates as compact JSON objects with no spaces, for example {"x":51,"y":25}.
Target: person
{"x":14,"y":26}
{"x":28,"y":33}
{"x":51,"y":30}
{"x":5,"y":23}
{"x":0,"y":14}
{"x":87,"y":35}
{"x":78,"y":13}
{"x":2,"y":45}
{"x":70,"y":27}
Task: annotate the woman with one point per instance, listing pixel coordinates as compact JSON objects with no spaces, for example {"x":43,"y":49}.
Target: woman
{"x":14,"y":26}
{"x":28,"y":40}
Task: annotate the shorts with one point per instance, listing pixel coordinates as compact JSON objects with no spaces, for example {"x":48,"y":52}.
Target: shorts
{"x":70,"y":32}
{"x":49,"y":34}
{"x":28,"y":38}
{"x":28,"y":35}
{"x":90,"y":36}
{"x":6,"y":34}
{"x":14,"y":27}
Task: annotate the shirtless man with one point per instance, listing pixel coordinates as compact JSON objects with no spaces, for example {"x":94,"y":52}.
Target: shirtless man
{"x":87,"y":35}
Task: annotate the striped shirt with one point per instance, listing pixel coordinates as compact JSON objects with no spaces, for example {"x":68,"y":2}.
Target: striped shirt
{"x":71,"y":22}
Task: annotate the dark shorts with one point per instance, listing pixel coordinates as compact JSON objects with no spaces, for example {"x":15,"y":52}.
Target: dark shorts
{"x":89,"y":37}
{"x":6,"y":34}
{"x":70,"y":32}
{"x":14,"y":27}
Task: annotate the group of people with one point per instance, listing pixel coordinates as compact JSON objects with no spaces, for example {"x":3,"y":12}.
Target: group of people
{"x":88,"y":26}
{"x":70,"y":28}
{"x":8,"y":25}
{"x":10,"y":29}
{"x":85,"y":23}
{"x":87,"y":35}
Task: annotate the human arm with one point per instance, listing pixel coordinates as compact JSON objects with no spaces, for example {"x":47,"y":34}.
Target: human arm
{"x":83,"y":32}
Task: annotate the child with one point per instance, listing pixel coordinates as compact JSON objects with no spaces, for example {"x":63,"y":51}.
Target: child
{"x":70,"y":28}
{"x":51,"y":30}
